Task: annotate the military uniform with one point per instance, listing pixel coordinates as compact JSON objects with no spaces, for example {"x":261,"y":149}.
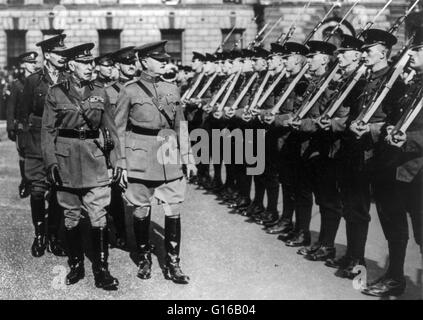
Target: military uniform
{"x":75,"y":111}
{"x":359,"y":170}
{"x":149,"y":116}
{"x":401,"y":190}
{"x":30,"y":114}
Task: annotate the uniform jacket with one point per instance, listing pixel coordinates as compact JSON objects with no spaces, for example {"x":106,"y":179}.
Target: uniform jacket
{"x":81,"y":163}
{"x":140,"y":152}
{"x":411,"y":153}
{"x":13,"y":102}
{"x":31,"y":110}
{"x":113,"y":91}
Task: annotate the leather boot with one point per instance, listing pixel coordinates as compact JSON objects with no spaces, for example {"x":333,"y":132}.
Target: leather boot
{"x":117,"y":211}
{"x":24,"y":186}
{"x":38,"y":217}
{"x":322,"y":254}
{"x":141,"y":230}
{"x":75,"y":256}
{"x":304,"y":251}
{"x":172,"y":243}
{"x":103,"y":278}
{"x":302,"y":239}
{"x":268,"y":217}
{"x":281,"y":227}
{"x":55,"y":246}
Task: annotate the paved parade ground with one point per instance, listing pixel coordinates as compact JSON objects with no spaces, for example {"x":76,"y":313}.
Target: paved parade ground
{"x":225,"y":257}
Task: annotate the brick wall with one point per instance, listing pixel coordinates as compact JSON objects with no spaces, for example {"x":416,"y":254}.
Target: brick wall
{"x":201,"y":20}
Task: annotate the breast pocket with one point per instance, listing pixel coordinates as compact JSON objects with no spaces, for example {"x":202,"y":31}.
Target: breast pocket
{"x":137,"y":156}
{"x":143,"y":111}
{"x":63,"y":158}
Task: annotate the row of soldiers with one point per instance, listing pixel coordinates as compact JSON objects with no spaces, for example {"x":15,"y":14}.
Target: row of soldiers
{"x":86,"y":143}
{"x":324,"y":139}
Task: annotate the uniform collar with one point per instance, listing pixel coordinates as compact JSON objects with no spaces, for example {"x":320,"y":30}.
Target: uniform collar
{"x":380,"y":73}
{"x":145,"y":76}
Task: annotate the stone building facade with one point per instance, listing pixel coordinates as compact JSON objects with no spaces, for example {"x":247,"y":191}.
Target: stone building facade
{"x":187,"y":24}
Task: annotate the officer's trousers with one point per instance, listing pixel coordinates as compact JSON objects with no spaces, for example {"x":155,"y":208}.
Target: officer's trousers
{"x":140,"y":194}
{"x":92,"y":200}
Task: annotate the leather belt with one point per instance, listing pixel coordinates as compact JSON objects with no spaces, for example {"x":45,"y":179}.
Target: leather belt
{"x":79,"y":134}
{"x":145,"y":131}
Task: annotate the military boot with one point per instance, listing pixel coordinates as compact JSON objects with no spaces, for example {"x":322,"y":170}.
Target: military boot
{"x":38,"y":211}
{"x":103,"y":278}
{"x":55,"y":246}
{"x":141,"y":229}
{"x":75,"y":256}
{"x":24,"y":186}
{"x":172,"y":270}
{"x":267,"y":217}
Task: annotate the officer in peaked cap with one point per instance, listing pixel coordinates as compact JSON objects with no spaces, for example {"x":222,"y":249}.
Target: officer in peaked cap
{"x":153,"y":109}
{"x":76,"y":109}
{"x":126,"y":63}
{"x":350,"y":43}
{"x":291,"y":48}
{"x":320,"y":47}
{"x":105,"y":65}
{"x":198,"y":55}
{"x":30,"y":113}
{"x":28,"y":64}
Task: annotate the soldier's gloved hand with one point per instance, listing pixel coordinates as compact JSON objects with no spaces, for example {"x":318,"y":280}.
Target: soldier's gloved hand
{"x":207,"y":108}
{"x":218,"y":114}
{"x":359,"y":130}
{"x":323,"y":123}
{"x":11,"y":134}
{"x":229,"y":112}
{"x":294,"y":124}
{"x":397,"y":140}
{"x":53,"y":175}
{"x":247,"y":116}
{"x":269,"y":118}
{"x":191,"y":170}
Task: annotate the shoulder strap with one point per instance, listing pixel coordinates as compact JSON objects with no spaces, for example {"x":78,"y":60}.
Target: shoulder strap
{"x":156,"y":103}
{"x":116,"y":87}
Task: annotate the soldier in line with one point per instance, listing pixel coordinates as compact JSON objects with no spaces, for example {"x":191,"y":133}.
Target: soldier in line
{"x":294,"y":60}
{"x":357,"y":174}
{"x":30,"y":113}
{"x":28,"y":63}
{"x":126,"y":62}
{"x":402,"y":190}
{"x":76,"y":109}
{"x":104,"y":68}
{"x":154,"y":112}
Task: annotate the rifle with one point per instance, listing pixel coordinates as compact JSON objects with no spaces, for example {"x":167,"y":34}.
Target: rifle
{"x":402,"y":18}
{"x":287,"y":36}
{"x":269,"y":32}
{"x":339,"y":24}
{"x":409,"y":115}
{"x":221,"y":90}
{"x":208,"y":84}
{"x":258,"y":93}
{"x":371,"y":23}
{"x":187,"y":95}
{"x":269,"y":90}
{"x":320,"y":23}
{"x":387,"y":84}
{"x":306,"y":107}
{"x":342,"y":95}
{"x":244,"y":91}
{"x":220,"y":47}
{"x":229,"y":91}
{"x":288,"y":90}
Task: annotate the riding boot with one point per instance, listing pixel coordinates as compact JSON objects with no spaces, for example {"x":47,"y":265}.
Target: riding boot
{"x":75,"y":255}
{"x":141,"y":230}
{"x":38,"y":217}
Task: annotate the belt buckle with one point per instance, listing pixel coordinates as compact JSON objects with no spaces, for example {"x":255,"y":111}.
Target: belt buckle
{"x":82,"y":134}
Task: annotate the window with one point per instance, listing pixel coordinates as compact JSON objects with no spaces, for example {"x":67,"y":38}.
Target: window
{"x":233,"y":1}
{"x":233,"y":39}
{"x":15,"y":2}
{"x":109,"y":40}
{"x":51,"y":33}
{"x":16,"y":45}
{"x":174,"y":44}
{"x":51,"y":2}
